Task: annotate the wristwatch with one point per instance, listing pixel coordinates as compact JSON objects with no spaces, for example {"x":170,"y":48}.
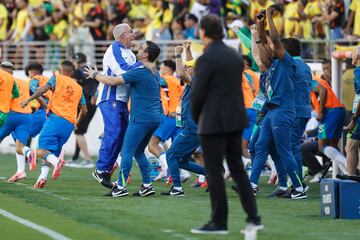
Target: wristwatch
{"x":178,"y":56}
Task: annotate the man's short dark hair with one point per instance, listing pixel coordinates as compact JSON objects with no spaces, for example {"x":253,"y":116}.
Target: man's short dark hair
{"x":248,"y":60}
{"x":191,"y":17}
{"x":152,"y":50}
{"x":212,"y":26}
{"x":67,"y":63}
{"x":292,"y":46}
{"x":80,"y":57}
{"x":325,"y":61}
{"x":170,"y":64}
{"x":35,"y":67}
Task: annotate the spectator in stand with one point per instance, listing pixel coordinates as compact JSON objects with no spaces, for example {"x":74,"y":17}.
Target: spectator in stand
{"x":214,"y":6}
{"x":94,"y":20}
{"x":3,"y":21}
{"x":158,"y":28}
{"x":181,"y":7}
{"x":191,"y":26}
{"x":177,"y":28}
{"x":354,"y":18}
{"x":291,"y":19}
{"x":334,"y":13}
{"x":116,"y":11}
{"x":310,"y":11}
{"x":199,"y":8}
{"x":22,"y":24}
{"x":80,"y":36}
{"x":138,"y":10}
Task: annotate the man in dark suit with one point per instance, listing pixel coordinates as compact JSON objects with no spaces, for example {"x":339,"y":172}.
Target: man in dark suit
{"x":218,"y":108}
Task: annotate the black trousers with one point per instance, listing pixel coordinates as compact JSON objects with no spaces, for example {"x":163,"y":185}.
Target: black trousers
{"x":215,"y":149}
{"x":309,"y":151}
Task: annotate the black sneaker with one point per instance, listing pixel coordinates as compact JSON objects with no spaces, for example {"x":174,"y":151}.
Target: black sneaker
{"x":145,"y":191}
{"x":116,"y":192}
{"x":277,"y":193}
{"x":288,"y":192}
{"x":256,"y":191}
{"x":174,"y":192}
{"x":104,"y":178}
{"x":298,"y":195}
{"x":210,"y":228}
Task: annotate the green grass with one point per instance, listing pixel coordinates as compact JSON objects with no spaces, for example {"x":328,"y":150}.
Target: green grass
{"x":74,"y":206}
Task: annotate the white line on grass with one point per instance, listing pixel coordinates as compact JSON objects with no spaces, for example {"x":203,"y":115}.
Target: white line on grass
{"x":49,"y":193}
{"x":175,"y":234}
{"x":39,"y":228}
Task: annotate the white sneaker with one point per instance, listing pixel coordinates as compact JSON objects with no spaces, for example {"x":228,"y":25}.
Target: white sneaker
{"x":316,"y":178}
{"x":184,"y":176}
{"x":226,"y":174}
{"x":251,"y":230}
{"x":162,"y":174}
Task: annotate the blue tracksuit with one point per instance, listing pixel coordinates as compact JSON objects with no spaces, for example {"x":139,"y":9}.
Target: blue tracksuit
{"x":145,"y":116}
{"x":184,"y":144}
{"x":278,"y":122}
{"x":303,"y":80}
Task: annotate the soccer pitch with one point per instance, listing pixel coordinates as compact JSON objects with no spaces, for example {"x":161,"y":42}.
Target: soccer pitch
{"x":74,"y":207}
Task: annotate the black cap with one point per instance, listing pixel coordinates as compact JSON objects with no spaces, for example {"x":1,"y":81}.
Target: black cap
{"x":191,"y":17}
{"x":80,"y":57}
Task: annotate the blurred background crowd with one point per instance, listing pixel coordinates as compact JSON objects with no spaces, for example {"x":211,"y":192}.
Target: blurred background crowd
{"x":29,"y":29}
{"x":88,"y":20}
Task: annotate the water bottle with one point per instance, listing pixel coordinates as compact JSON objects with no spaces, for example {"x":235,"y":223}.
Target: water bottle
{"x":154,"y":168}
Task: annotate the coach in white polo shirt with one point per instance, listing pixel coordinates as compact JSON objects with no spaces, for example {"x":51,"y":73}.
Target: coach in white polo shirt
{"x":112,"y":101}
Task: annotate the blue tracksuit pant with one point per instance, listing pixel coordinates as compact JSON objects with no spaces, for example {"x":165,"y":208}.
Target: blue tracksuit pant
{"x":136,"y":139}
{"x":179,"y":155}
{"x":276,"y":129}
{"x":115,"y":115}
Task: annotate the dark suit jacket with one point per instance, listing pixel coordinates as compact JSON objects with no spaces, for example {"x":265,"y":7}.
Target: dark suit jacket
{"x":217,"y":103}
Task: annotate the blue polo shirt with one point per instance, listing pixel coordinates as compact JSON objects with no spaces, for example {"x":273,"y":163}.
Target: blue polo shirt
{"x":186,"y":116}
{"x":303,"y":80}
{"x":144,"y":94}
{"x":281,"y":83}
{"x":357,"y":80}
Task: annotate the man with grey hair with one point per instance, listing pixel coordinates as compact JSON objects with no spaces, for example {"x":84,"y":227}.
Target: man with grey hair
{"x":112,"y":101}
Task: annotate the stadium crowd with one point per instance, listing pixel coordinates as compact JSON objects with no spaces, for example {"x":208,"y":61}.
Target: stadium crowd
{"x":93,"y":20}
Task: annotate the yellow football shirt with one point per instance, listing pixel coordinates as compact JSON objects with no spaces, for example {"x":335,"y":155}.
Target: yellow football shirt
{"x":4,"y":19}
{"x":355,"y":7}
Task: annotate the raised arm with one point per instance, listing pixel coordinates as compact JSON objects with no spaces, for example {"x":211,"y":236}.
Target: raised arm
{"x":112,"y":81}
{"x":258,"y":51}
{"x":180,"y":70}
{"x":274,"y":35}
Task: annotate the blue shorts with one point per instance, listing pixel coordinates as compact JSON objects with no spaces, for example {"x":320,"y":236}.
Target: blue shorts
{"x":355,"y":134}
{"x":331,"y":127}
{"x":18,"y":125}
{"x":37,"y":121}
{"x":251,"y":115}
{"x":167,"y":129}
{"x":54,"y":134}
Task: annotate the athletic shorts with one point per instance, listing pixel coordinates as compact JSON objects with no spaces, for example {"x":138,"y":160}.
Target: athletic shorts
{"x":251,"y":115}
{"x":37,"y":122}
{"x":167,"y":129}
{"x":18,"y":125}
{"x":331,"y":127}
{"x":355,"y":134}
{"x":54,"y":134}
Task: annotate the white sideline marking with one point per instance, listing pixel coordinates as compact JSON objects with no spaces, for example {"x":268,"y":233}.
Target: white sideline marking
{"x":39,"y":228}
{"x":38,"y":190}
{"x":173,"y":233}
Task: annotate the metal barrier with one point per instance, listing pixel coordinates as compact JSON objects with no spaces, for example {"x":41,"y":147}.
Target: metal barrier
{"x":51,"y":53}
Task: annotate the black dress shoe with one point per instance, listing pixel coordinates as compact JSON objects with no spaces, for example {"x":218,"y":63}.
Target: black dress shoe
{"x":210,"y":228}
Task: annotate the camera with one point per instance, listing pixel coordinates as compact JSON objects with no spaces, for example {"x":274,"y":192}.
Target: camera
{"x":261,"y":14}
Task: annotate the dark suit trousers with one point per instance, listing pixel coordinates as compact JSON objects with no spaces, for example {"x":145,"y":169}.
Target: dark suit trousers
{"x":215,"y":148}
